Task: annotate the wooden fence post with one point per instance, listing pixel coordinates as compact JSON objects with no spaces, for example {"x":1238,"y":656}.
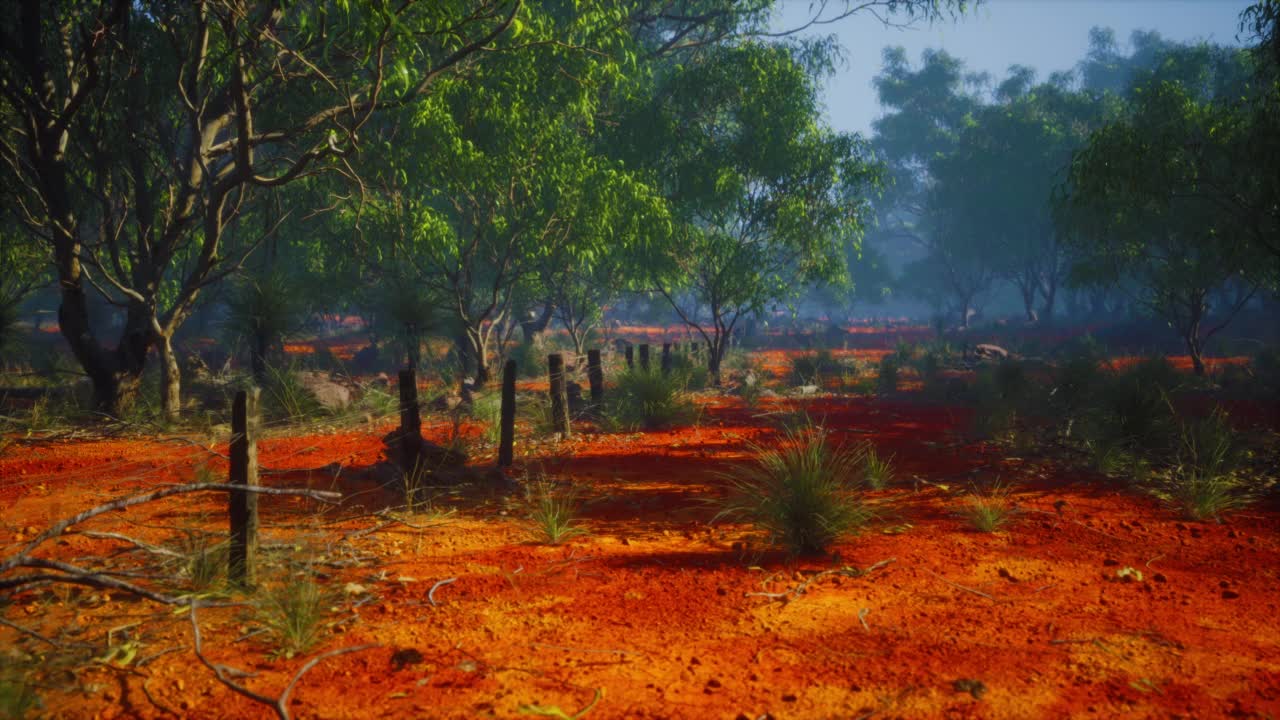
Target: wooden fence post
{"x":644,"y":357}
{"x":631,"y":356}
{"x":507,"y":431}
{"x":666,"y":358}
{"x":595,"y":376}
{"x":559,"y":403}
{"x":242,"y":507}
{"x":410,"y":421}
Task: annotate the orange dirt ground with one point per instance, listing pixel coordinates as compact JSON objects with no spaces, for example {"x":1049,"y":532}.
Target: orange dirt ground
{"x":652,"y":614}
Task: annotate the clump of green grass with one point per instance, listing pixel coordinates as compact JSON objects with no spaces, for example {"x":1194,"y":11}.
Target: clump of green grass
{"x":292,"y":612}
{"x":877,"y":469}
{"x":803,"y":494}
{"x":487,"y":409}
{"x":204,"y":562}
{"x":988,"y":511}
{"x":18,"y":696}
{"x":1199,"y":495}
{"x":1209,"y":445}
{"x":286,"y":398}
{"x":649,"y":400}
{"x":553,"y":512}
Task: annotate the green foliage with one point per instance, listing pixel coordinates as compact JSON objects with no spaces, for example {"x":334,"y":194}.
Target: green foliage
{"x":989,"y":511}
{"x":877,"y":470}
{"x":271,"y":305}
{"x":1200,"y":495}
{"x":286,"y":398}
{"x":1210,"y":446}
{"x":553,"y":512}
{"x":204,"y":561}
{"x":814,"y":368}
{"x":648,"y":400}
{"x":1133,"y":412}
{"x":292,"y":612}
{"x":802,"y":494}
{"x":18,"y":697}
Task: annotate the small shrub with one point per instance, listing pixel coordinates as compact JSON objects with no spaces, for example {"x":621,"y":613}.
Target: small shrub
{"x":803,"y":494}
{"x":988,"y":511}
{"x":488,"y":410}
{"x":1198,"y":495}
{"x":1210,"y":445}
{"x":287,"y":398}
{"x":292,"y":612}
{"x":813,"y":368}
{"x":877,"y":470}
{"x":649,"y":400}
{"x":1133,"y":411}
{"x":553,"y":513}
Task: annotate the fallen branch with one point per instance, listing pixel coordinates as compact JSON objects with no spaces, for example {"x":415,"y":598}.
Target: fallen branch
{"x":431,"y":595}
{"x":279,"y":704}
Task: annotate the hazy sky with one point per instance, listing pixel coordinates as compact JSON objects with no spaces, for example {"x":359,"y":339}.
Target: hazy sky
{"x":1047,"y":35}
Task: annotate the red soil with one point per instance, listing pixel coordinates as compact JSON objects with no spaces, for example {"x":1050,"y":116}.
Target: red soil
{"x":652,"y":611}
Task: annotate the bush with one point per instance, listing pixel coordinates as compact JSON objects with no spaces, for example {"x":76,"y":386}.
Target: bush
{"x":1133,"y":411}
{"x":286,"y":398}
{"x":1210,"y":445}
{"x":1199,"y":495}
{"x":813,"y":368}
{"x":648,"y":400}
{"x":803,"y":494}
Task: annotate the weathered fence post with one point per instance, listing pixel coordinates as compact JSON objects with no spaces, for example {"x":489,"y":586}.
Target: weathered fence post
{"x":644,"y":357}
{"x":631,"y":357}
{"x":559,"y":403}
{"x":595,"y":376}
{"x":242,"y":506}
{"x":410,"y":421}
{"x":507,"y":431}
{"x":666,"y":358}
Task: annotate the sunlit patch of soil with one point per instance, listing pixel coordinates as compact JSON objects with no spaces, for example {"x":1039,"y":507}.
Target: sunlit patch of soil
{"x":657,"y":614}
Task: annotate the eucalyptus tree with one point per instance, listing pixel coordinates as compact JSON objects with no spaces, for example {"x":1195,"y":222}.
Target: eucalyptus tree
{"x":514,"y":180}
{"x":762,"y":195}
{"x":1145,"y":197}
{"x":140,"y":129}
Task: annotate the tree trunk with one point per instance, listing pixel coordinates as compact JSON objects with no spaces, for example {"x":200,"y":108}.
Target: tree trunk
{"x":715,"y":353}
{"x":532,"y":327}
{"x":170,"y":380}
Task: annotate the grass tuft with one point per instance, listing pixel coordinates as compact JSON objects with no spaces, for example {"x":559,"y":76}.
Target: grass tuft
{"x":553,"y":512}
{"x":649,"y":400}
{"x":1201,"y":496}
{"x":877,"y":470}
{"x":292,"y":613}
{"x":989,"y":511}
{"x":802,"y":494}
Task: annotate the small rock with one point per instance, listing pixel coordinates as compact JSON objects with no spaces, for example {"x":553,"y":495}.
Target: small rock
{"x":1159,"y":577}
{"x":974,"y":687}
{"x":789,"y":698}
{"x":1230,"y":594}
{"x":1110,"y":562}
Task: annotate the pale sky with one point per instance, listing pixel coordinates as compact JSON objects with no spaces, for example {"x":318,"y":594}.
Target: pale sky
{"x":1047,"y":35}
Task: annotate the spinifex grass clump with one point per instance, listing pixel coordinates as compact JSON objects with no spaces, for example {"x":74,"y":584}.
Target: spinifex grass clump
{"x":553,"y":512}
{"x":877,"y":469}
{"x":1205,"y":483}
{"x":988,"y":511}
{"x":286,"y":398}
{"x":649,"y":399}
{"x":1132,"y":415}
{"x":803,"y":493}
{"x":292,"y":612}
